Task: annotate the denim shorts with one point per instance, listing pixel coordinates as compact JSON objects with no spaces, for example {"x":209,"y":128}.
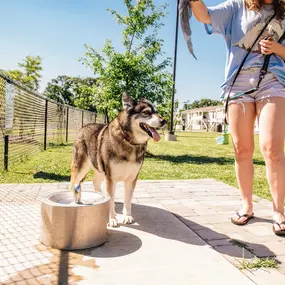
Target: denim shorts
{"x":248,"y":78}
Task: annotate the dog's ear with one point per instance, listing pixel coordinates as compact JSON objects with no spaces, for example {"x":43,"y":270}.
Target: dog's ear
{"x":128,"y":101}
{"x":144,"y":100}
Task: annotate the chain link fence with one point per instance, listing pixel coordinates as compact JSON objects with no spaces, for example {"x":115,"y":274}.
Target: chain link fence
{"x":29,"y":122}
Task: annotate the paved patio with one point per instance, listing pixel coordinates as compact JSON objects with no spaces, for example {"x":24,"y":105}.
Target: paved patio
{"x":182,"y":235}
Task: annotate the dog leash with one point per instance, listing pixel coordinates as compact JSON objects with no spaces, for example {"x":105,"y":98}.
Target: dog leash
{"x":261,"y":76}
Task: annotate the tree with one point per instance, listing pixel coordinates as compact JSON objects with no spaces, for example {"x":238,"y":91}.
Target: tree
{"x":202,"y":103}
{"x":73,"y":91}
{"x":30,"y":76}
{"x":60,"y":90}
{"x":140,"y":70}
{"x":84,"y":96}
{"x":16,"y":75}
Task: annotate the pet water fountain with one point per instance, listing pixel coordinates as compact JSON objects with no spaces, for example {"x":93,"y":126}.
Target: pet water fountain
{"x":67,"y":225}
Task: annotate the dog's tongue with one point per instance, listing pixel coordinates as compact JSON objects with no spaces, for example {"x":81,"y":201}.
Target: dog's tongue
{"x":155,"y":135}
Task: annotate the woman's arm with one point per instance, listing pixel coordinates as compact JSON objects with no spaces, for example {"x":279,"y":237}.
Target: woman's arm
{"x":268,"y":47}
{"x":200,"y":11}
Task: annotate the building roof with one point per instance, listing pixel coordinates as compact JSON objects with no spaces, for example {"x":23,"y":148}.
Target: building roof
{"x":204,"y":109}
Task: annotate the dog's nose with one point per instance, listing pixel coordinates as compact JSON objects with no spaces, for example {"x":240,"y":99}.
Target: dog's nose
{"x":162,"y":122}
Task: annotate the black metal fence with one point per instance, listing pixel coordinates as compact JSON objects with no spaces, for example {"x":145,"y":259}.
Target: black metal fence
{"x":29,"y":122}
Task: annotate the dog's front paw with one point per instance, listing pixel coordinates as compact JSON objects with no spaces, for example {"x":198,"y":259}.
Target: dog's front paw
{"x":128,"y":219}
{"x":113,"y":222}
{"x":76,"y":189}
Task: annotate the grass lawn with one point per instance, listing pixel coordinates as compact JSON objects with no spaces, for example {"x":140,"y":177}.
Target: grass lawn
{"x":192,"y":156}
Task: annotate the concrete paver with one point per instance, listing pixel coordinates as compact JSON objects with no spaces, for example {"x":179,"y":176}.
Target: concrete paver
{"x":182,"y":235}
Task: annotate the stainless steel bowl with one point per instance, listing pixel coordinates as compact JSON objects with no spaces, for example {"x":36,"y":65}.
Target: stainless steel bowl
{"x":67,"y":225}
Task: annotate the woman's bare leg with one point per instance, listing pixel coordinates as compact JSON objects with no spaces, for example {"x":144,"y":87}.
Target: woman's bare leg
{"x":271,"y":114}
{"x":241,"y":117}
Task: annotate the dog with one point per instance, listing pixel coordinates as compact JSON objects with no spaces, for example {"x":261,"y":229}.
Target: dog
{"x":115,"y":152}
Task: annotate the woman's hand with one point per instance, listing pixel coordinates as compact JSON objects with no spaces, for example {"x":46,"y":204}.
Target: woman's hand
{"x":269,"y":46}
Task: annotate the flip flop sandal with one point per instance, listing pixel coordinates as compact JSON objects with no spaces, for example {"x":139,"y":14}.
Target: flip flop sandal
{"x":236,"y":221}
{"x":280,"y":232}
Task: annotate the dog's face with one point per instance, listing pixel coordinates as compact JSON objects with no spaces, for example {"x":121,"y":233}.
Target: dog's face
{"x":144,"y":118}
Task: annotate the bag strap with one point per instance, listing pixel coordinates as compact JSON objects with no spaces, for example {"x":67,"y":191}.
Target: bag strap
{"x":264,"y":69}
{"x":242,"y":64}
{"x":282,"y":38}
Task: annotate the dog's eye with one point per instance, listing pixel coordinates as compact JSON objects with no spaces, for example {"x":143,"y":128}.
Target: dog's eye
{"x":146,"y":113}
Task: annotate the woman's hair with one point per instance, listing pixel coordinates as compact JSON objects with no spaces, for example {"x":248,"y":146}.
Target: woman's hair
{"x":256,"y":5}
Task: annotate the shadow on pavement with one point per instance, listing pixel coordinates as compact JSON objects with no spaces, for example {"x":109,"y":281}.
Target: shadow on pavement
{"x":58,"y":265}
{"x":149,"y":220}
{"x":51,"y":176}
{"x":200,"y":159}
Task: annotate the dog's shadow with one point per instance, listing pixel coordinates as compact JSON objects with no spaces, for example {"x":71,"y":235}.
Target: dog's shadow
{"x":156,"y":221}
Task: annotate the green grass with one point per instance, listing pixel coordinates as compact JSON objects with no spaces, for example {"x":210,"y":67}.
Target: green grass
{"x":192,"y":156}
{"x":257,"y":262}
{"x":253,"y":263}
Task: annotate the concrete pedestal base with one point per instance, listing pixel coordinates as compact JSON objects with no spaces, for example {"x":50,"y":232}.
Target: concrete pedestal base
{"x":169,"y":137}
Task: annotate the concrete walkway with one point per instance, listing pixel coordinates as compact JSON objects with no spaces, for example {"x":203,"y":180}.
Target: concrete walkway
{"x":182,"y":235}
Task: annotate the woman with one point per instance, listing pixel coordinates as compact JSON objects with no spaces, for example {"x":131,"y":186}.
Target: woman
{"x":240,"y":23}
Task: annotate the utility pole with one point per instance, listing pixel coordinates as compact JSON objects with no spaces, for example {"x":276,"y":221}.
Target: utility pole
{"x":171,"y":136}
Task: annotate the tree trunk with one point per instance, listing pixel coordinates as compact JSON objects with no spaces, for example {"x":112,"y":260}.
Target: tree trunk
{"x":106,"y":116}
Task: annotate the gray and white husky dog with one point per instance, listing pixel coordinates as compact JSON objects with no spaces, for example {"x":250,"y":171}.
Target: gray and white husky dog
{"x":115,"y":152}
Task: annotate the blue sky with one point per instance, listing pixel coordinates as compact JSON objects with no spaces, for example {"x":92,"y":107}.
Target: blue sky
{"x":57,"y":30}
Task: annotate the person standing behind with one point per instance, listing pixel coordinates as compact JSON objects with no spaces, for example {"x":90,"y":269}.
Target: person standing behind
{"x":240,"y":22}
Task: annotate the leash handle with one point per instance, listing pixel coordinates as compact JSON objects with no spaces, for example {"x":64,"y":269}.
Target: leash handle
{"x":264,"y":68}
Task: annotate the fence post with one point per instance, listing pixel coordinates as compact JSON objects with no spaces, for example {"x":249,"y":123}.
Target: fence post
{"x":6,"y":149}
{"x":45,"y":130}
{"x":82,"y":118}
{"x":66,"y":133}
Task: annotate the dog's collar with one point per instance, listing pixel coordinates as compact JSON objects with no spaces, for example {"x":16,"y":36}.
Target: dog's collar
{"x":128,"y":139}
